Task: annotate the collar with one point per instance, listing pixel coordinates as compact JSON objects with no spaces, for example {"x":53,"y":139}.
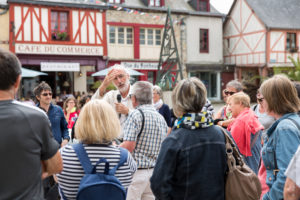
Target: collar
{"x":273,"y":127}
{"x":129,"y":93}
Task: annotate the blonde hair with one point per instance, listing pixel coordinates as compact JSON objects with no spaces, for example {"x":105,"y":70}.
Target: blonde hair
{"x":242,"y":98}
{"x":188,"y":96}
{"x":97,"y":123}
{"x":280,"y":94}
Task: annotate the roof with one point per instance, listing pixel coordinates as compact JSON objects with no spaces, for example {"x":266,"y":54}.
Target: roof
{"x":176,"y":6}
{"x":277,"y":14}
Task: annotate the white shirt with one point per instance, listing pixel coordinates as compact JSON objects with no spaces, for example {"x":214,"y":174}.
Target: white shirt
{"x":111,"y":98}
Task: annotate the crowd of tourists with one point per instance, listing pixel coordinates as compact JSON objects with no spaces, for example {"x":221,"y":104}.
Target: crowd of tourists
{"x":128,"y":144}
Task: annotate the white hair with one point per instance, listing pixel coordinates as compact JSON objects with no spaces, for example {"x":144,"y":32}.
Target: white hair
{"x":119,"y":67}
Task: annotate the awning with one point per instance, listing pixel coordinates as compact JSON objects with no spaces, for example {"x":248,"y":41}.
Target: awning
{"x":105,"y":71}
{"x":28,"y":73}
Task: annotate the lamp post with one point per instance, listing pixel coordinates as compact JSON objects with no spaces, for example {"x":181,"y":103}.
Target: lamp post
{"x":182,"y":39}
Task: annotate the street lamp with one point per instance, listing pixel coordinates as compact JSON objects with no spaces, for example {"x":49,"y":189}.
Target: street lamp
{"x":182,"y":39}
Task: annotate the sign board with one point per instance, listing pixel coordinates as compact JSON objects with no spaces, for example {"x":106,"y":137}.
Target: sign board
{"x":58,"y":49}
{"x":140,"y":65}
{"x":60,"y":67}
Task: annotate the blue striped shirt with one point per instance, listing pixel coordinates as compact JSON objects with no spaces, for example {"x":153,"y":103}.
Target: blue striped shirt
{"x":69,"y":179}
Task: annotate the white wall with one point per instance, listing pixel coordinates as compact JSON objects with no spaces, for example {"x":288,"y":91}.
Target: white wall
{"x":214,"y":25}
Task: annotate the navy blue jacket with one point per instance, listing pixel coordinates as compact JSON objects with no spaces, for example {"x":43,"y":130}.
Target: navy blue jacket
{"x":59,"y":125}
{"x":191,"y":165}
{"x":164,"y":110}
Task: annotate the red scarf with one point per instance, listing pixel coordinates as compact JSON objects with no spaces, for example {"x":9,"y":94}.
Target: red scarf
{"x":241,"y":129}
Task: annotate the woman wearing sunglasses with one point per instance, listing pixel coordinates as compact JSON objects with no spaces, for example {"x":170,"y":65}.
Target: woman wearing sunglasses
{"x":224,"y":117}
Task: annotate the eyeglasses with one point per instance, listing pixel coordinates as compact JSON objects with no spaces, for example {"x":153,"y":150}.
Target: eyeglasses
{"x":228,"y":92}
{"x":46,"y":94}
{"x":260,"y":99}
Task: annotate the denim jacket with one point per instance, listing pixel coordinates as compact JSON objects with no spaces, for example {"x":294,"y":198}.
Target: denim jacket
{"x":58,"y":122}
{"x":191,"y":165}
{"x":281,"y":141}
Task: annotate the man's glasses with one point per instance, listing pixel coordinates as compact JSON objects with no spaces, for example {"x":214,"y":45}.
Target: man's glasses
{"x":260,"y":99}
{"x":46,"y":94}
{"x":228,"y":92}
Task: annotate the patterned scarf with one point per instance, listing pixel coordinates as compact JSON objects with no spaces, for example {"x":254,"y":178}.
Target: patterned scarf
{"x":194,"y":121}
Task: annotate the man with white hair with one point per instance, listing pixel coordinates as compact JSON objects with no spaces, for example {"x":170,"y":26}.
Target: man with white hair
{"x":144,"y":132}
{"x":120,"y":98}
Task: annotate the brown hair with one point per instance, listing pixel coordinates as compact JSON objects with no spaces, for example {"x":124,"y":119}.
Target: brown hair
{"x":66,"y":103}
{"x":280,"y":95}
{"x":188,"y":96}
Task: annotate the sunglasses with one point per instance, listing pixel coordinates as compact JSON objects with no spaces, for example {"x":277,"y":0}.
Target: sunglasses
{"x":46,"y":94}
{"x":228,"y":93}
{"x":260,"y":99}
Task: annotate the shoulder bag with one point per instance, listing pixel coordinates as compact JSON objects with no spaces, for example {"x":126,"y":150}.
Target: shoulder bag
{"x":241,"y":182}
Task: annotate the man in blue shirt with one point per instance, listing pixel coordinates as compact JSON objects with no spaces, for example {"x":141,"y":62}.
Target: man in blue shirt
{"x":55,"y":113}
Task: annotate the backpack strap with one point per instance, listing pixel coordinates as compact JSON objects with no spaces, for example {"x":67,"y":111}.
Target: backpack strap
{"x":143,"y":122}
{"x":83,"y":158}
{"x":123,"y":159}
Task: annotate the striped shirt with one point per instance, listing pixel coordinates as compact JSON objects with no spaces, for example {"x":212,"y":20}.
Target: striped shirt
{"x":149,"y":142}
{"x":69,"y":179}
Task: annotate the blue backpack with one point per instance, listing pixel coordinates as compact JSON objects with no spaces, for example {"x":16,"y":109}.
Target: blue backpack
{"x":95,"y":185}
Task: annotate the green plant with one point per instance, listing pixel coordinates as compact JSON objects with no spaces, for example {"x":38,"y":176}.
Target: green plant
{"x":97,"y":84}
{"x":292,"y":72}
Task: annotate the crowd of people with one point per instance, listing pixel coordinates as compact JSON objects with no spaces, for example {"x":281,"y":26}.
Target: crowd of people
{"x":129,"y":133}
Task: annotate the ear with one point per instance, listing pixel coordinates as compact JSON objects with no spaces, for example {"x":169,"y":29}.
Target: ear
{"x":17,"y":83}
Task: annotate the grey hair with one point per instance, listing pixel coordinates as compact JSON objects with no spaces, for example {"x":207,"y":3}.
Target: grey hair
{"x":158,"y":90}
{"x":143,"y":91}
{"x":120,"y":67}
{"x":235,"y":84}
{"x":189,"y":96}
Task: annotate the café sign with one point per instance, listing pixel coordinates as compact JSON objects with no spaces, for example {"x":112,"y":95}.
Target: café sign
{"x":60,"y":67}
{"x":140,"y":65}
{"x":58,"y":49}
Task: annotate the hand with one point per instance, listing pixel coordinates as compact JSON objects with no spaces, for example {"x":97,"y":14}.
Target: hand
{"x":121,"y":108}
{"x":44,"y":173}
{"x":107,"y":80}
{"x":64,"y":143}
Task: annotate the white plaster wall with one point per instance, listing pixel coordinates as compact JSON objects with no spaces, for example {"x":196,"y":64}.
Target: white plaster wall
{"x":214,"y":25}
{"x":80,"y":81}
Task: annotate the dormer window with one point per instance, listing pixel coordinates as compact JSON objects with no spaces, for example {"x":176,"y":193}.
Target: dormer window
{"x":156,"y":3}
{"x":203,"y":5}
{"x":115,"y":1}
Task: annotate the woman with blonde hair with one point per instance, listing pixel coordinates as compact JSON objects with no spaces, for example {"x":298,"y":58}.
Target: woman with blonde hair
{"x":96,"y":127}
{"x":283,"y":137}
{"x":246,"y":130}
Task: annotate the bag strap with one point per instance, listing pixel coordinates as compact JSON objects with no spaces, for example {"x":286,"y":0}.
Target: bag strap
{"x":276,"y":170}
{"x":143,"y":122}
{"x":232,"y":153}
{"x":83,"y":158}
{"x":85,"y":161}
{"x":123,"y":159}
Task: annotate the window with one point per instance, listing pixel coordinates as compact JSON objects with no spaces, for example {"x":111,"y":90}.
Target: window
{"x":203,"y":5}
{"x":115,"y":1}
{"x":291,"y":42}
{"x":120,"y":35}
{"x":142,"y":36}
{"x":59,"y":25}
{"x":150,"y":37}
{"x":204,"y":46}
{"x":156,"y":3}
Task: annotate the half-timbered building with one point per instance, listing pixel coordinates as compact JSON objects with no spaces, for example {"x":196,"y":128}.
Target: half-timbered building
{"x":260,"y":35}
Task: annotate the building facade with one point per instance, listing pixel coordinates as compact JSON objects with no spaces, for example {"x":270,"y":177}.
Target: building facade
{"x":64,"y":39}
{"x":260,"y":35}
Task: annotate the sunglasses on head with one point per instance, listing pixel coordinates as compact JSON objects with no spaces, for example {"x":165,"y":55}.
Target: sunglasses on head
{"x":46,"y":94}
{"x":228,"y":93}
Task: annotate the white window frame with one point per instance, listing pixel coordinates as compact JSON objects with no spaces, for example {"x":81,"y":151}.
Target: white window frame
{"x":114,"y":1}
{"x":117,"y":35}
{"x":156,"y":3}
{"x":154,"y":38}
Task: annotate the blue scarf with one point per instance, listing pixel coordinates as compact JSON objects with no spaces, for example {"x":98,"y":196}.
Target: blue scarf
{"x":194,"y":121}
